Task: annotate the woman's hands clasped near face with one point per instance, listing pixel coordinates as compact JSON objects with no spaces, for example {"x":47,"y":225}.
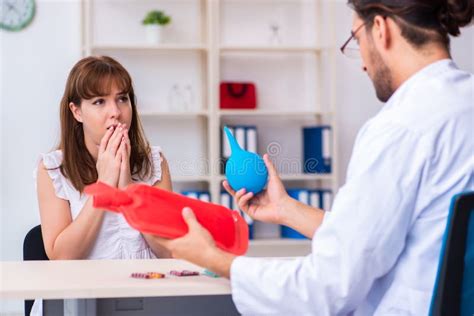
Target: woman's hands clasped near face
{"x":113,"y":159}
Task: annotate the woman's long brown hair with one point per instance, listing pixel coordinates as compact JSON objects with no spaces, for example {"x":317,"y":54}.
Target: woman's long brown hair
{"x":91,"y":77}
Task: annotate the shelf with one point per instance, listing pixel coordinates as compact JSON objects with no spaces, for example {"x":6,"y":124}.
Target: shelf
{"x":271,"y":49}
{"x":284,"y":114}
{"x":202,"y":178}
{"x":227,"y":40}
{"x":236,"y":113}
{"x":266,"y":1}
{"x":306,"y":177}
{"x":149,"y":47}
{"x":175,"y":115}
{"x":280,"y":242}
{"x":297,"y":177}
{"x":279,"y":247}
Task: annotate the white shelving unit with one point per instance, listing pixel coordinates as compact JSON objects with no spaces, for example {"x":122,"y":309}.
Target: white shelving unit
{"x":279,"y":113}
{"x":210,"y":41}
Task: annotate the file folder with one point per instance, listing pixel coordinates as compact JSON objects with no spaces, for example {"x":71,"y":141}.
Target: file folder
{"x":225,"y":143}
{"x":251,"y":139}
{"x":227,"y":201}
{"x":198,"y":195}
{"x":303,"y":196}
{"x":315,"y":199}
{"x":326,"y":198}
{"x":317,"y":149}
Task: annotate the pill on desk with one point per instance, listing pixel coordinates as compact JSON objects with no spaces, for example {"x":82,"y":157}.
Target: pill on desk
{"x":139,"y":275}
{"x":148,"y":275}
{"x":183,"y":273}
{"x":210,"y":274}
{"x":156,"y":275}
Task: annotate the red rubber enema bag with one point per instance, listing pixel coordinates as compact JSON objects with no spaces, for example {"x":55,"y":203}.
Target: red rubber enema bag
{"x":159,"y":212}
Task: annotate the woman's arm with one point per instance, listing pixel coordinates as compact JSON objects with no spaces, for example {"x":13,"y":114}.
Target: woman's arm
{"x":165,"y":184}
{"x":64,"y":238}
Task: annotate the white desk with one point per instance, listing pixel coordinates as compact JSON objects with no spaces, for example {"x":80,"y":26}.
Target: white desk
{"x":101,"y":286}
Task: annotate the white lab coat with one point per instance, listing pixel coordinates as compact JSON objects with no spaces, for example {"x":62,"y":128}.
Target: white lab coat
{"x":377,"y":251}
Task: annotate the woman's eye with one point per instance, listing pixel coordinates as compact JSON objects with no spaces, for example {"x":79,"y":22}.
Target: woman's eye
{"x":98,"y":102}
{"x":123,"y":99}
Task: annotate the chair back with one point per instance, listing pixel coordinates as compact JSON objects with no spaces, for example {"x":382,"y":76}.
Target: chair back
{"x":453,"y":292}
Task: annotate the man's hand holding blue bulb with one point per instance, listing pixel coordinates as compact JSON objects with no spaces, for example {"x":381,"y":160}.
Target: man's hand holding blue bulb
{"x":268,"y":205}
{"x":247,"y":174}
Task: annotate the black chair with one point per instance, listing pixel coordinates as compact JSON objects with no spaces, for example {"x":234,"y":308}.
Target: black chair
{"x":33,"y":249}
{"x":453,"y":293}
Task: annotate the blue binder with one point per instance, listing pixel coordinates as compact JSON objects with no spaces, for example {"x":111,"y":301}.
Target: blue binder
{"x":326,"y":199}
{"x":199,"y":195}
{"x":321,"y":202}
{"x":317,"y":156}
{"x":285,"y":231}
{"x":226,"y":200}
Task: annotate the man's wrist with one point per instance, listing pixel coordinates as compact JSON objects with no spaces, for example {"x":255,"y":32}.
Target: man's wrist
{"x":303,"y":218}
{"x":219,"y":261}
{"x":287,"y":210}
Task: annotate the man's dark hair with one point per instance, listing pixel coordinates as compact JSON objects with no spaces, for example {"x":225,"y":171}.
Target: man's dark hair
{"x":420,"y":21}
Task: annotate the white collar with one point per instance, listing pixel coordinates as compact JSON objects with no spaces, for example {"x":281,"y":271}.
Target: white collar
{"x":429,"y":71}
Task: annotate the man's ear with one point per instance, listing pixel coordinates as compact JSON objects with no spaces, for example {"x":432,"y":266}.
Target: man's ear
{"x":76,"y":112}
{"x":381,"y":32}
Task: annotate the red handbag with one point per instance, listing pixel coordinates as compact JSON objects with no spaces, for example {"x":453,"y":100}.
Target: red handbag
{"x":238,"y":95}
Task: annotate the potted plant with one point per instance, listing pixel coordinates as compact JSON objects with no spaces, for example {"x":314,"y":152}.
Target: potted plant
{"x":154,"y":22}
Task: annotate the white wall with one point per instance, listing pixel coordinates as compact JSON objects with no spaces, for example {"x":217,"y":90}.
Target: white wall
{"x":356,"y":98}
{"x":34,"y":66}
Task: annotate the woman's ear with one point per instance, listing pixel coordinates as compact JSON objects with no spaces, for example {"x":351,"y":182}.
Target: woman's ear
{"x":76,"y":112}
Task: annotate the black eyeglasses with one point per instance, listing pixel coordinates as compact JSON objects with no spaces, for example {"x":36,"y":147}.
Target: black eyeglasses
{"x":349,"y":51}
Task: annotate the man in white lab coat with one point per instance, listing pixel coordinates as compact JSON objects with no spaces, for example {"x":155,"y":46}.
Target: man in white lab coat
{"x":377,"y":251}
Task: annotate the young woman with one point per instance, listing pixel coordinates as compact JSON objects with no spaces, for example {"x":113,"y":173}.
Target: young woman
{"x":101,"y":139}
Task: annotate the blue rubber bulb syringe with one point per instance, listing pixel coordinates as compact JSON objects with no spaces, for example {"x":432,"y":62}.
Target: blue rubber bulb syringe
{"x":244,"y":169}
